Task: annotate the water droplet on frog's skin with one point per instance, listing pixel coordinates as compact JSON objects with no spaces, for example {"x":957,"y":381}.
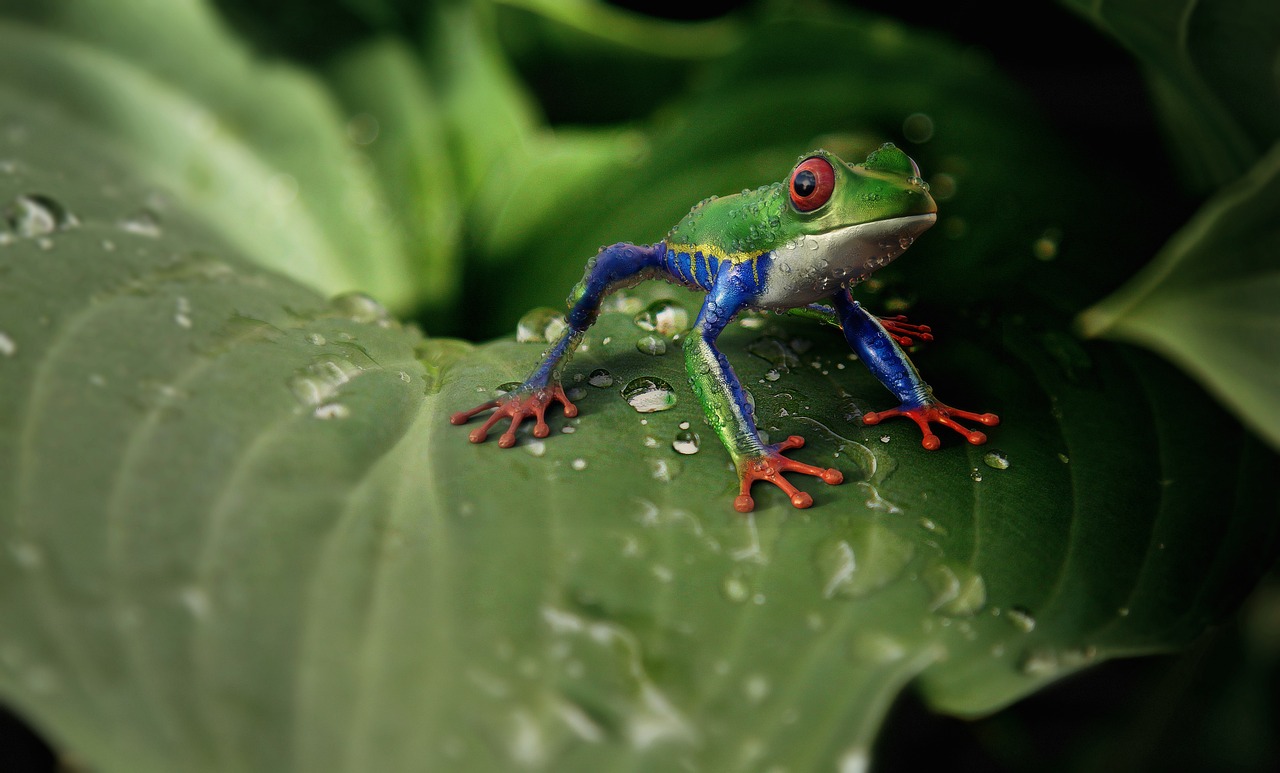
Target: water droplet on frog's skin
{"x":1020,"y":618}
{"x":652,"y":345}
{"x":686,"y":443}
{"x":8,"y":347}
{"x":540,"y":325}
{"x":958,"y":591}
{"x":144,"y":222}
{"x":648,"y":394}
{"x":600,"y":378}
{"x":665,"y":317}
{"x":32,"y":215}
{"x":996,"y":459}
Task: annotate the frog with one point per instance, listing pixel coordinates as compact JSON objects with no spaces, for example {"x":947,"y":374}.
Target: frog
{"x":795,"y":246}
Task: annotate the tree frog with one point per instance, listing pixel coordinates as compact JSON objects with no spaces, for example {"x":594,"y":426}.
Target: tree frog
{"x":797,"y":245}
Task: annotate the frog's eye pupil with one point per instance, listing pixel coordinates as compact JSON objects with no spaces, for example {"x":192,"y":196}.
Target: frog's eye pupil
{"x":806,"y":183}
{"x":812,"y":183}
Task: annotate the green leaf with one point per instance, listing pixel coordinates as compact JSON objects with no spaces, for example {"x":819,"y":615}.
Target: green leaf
{"x":1209,"y":300}
{"x":258,"y":149}
{"x":1212,"y":71}
{"x":238,"y":532}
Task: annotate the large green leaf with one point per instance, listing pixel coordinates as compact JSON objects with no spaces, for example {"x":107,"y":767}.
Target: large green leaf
{"x":240,"y":534}
{"x":258,"y":149}
{"x":1212,"y":71}
{"x":1210,"y":301}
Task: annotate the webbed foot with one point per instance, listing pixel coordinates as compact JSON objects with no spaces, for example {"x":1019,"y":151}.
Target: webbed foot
{"x":904,"y":332}
{"x":770,"y":466}
{"x":518,"y":405}
{"x":942,"y":414}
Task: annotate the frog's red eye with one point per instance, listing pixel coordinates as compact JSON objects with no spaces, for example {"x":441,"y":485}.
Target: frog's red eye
{"x":812,"y":183}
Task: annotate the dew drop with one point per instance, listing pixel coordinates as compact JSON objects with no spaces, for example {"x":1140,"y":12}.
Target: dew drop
{"x":540,"y":325}
{"x":957,"y":591}
{"x":579,"y":464}
{"x":7,"y":346}
{"x":648,"y":394}
{"x":319,"y":382}
{"x":360,"y":307}
{"x":33,"y":215}
{"x":686,"y":443}
{"x":600,"y":378}
{"x":316,"y":339}
{"x":996,"y":459}
{"x":652,"y":345}
{"x":865,"y":558}
{"x":735,"y":587}
{"x":1020,"y":618}
{"x":664,"y":317}
{"x":331,"y":411}
{"x":535,"y":447}
{"x":144,"y":222}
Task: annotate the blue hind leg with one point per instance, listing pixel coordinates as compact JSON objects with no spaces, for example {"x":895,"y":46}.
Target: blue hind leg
{"x":879,"y":350}
{"x":619,"y":265}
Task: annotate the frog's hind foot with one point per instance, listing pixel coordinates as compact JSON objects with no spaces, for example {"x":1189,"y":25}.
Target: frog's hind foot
{"x":904,"y":332}
{"x":518,"y":405}
{"x":769,"y":467}
{"x":942,"y":414}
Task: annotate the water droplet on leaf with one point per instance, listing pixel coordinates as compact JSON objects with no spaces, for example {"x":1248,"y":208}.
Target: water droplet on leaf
{"x":648,"y":394}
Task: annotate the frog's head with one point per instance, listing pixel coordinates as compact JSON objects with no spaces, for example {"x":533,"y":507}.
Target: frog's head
{"x":862,"y":216}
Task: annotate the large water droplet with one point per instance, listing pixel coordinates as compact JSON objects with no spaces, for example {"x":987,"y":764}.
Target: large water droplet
{"x":665,"y":317}
{"x":686,"y":443}
{"x":360,"y":307}
{"x":958,"y":591}
{"x":996,"y":459}
{"x":864,"y":558}
{"x":648,"y":394}
{"x":540,"y":325}
{"x":33,"y":215}
{"x":652,"y":345}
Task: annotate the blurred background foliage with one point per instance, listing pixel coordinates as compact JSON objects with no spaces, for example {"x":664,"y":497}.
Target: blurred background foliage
{"x":1116,"y":161}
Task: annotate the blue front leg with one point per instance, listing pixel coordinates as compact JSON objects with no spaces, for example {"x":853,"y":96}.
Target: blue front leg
{"x":876,"y":347}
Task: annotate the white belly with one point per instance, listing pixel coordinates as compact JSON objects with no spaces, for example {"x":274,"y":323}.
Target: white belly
{"x":812,"y":268}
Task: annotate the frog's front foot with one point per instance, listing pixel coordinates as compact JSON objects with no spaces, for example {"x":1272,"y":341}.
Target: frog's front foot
{"x":942,"y":414}
{"x":519,"y":405}
{"x":769,"y":467}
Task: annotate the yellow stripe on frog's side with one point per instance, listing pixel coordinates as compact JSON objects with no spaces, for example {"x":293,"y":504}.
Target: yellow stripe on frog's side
{"x":716,"y":252}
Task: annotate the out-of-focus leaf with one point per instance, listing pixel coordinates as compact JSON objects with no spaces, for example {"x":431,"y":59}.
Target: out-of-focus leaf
{"x":397,"y":119}
{"x":1212,"y":71}
{"x":258,"y":149}
{"x":1210,"y":301}
{"x":239,"y":532}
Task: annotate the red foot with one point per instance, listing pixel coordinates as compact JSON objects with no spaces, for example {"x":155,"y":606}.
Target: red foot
{"x":519,"y":406}
{"x":770,"y":468}
{"x":904,"y":332}
{"x":942,"y":414}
